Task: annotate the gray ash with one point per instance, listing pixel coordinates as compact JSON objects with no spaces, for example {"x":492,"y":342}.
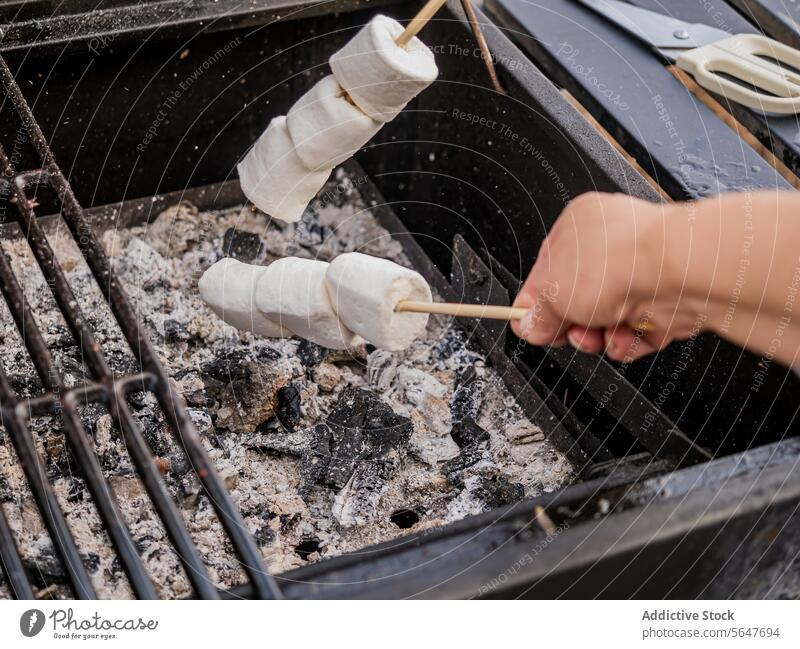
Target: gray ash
{"x":319,"y":449}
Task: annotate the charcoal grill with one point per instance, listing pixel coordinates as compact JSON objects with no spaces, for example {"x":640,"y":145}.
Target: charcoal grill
{"x":689,"y":492}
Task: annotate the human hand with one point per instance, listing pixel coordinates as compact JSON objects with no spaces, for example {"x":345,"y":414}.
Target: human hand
{"x":603,"y":266}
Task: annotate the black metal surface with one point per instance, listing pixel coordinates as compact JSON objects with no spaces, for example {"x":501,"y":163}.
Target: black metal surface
{"x":779,"y":19}
{"x":37,"y":27}
{"x":110,"y":389}
{"x":675,"y":137}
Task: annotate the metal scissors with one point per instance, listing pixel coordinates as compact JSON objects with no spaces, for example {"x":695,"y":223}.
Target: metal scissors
{"x":749,"y":69}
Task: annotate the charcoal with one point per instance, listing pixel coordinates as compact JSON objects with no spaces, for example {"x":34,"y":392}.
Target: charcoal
{"x":449,"y":344}
{"x":280,"y":441}
{"x":265,"y":536}
{"x":498,"y":492}
{"x":381,"y":369}
{"x":467,"y":395}
{"x":25,"y":385}
{"x":227,"y":365}
{"x":288,"y":410}
{"x":357,"y":502}
{"x":244,"y":246}
{"x":350,"y":448}
{"x":76,"y":490}
{"x":385,"y":429}
{"x":309,"y":232}
{"x":138,"y":399}
{"x":469,"y":456}
{"x":310,"y":354}
{"x":246,"y":388}
{"x":265,"y":354}
{"x":315,"y":460}
{"x":467,"y":433}
{"x":175,"y":331}
{"x":364,"y":428}
{"x":6,"y":494}
{"x":92,"y":561}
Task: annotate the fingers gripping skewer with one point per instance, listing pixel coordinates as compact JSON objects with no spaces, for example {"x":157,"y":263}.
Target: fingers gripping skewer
{"x":488,"y":311}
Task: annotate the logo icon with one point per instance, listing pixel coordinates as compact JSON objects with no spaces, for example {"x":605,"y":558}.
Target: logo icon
{"x":31,"y":622}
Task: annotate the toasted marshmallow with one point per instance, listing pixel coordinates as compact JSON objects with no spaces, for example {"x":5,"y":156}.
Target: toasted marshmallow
{"x":326,"y":127}
{"x":293,"y":293}
{"x":274,"y":178}
{"x":380,"y":76}
{"x":365,"y":290}
{"x":228,"y":289}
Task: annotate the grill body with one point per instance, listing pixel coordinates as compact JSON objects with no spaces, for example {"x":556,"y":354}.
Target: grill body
{"x":690,"y":494}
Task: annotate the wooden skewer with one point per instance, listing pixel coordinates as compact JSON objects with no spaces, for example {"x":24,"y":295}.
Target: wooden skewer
{"x":488,"y":311}
{"x":486,"y":54}
{"x":419,"y":21}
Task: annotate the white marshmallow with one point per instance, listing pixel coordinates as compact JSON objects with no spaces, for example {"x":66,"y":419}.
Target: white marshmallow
{"x":365,"y":290}
{"x":292,"y":292}
{"x":228,"y":288}
{"x":380,"y":76}
{"x":274,"y":178}
{"x":326,"y":128}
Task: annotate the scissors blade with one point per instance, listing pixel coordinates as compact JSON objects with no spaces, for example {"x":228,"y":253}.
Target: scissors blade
{"x":668,"y":35}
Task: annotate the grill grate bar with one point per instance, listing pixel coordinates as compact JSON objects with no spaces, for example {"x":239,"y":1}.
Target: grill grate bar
{"x":101,"y":491}
{"x":172,"y":407}
{"x":113,"y":399}
{"x":12,"y":563}
{"x":32,"y":464}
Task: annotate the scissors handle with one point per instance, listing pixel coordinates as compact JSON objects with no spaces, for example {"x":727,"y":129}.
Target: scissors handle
{"x":750,"y":59}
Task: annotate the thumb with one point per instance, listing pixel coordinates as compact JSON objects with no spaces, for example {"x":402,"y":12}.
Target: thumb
{"x":541,"y":325}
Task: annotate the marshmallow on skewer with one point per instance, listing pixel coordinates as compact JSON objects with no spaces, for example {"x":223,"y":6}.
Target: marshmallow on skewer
{"x":293,"y":293}
{"x":364,"y":291}
{"x":275,"y":179}
{"x":380,"y":76}
{"x":326,"y":127}
{"x":228,"y":288}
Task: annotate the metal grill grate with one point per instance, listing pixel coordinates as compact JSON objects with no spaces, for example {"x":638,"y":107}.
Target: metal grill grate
{"x":105,"y":388}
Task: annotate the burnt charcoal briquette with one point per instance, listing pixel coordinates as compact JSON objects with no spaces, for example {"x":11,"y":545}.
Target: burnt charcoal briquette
{"x":351,"y":409}
{"x":6,"y":494}
{"x":350,"y":448}
{"x":138,"y":399}
{"x":467,"y":433}
{"x":386,"y":429}
{"x":448,"y":345}
{"x":228,"y":365}
{"x":315,"y":459}
{"x":467,"y":395}
{"x":265,"y":536}
{"x":76,"y":490}
{"x":363,"y":427}
{"x":310,"y":354}
{"x":309,"y":232}
{"x":92,"y":561}
{"x":244,"y":246}
{"x":469,"y":456}
{"x":175,"y":331}
{"x":288,"y":411}
{"x":498,"y":492}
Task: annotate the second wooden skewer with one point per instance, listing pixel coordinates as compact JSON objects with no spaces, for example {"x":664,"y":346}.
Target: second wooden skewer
{"x":488,"y":311}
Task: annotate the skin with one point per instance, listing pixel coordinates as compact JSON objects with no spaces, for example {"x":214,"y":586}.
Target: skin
{"x":727,"y":264}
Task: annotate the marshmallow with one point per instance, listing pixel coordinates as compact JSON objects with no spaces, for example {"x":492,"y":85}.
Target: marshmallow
{"x":365,"y":290}
{"x":292,"y":292}
{"x":227,"y":287}
{"x":274,"y":178}
{"x":380,"y":76}
{"x":326,"y":127}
